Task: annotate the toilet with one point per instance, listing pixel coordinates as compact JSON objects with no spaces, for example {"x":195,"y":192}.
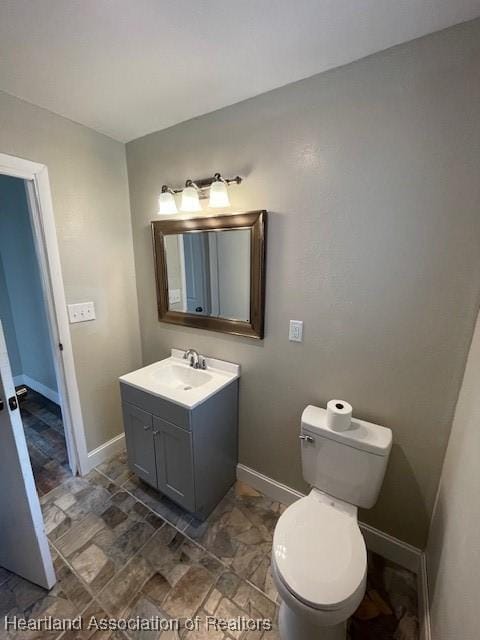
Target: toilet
{"x":319,"y":559}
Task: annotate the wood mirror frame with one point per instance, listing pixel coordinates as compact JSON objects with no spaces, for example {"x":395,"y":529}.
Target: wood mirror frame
{"x":256,"y":221}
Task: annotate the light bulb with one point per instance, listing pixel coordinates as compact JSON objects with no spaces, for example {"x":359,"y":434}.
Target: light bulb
{"x":166,"y":204}
{"x":219,"y":194}
{"x":190,"y":200}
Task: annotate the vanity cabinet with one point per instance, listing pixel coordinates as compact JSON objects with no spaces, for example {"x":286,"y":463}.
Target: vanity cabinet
{"x":190,"y":455}
{"x":139,"y":438}
{"x":174,"y":461}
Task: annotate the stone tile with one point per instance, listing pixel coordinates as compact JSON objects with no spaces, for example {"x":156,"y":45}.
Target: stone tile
{"x":69,"y":586}
{"x":91,"y":619}
{"x":79,"y":534}
{"x":240,"y":531}
{"x":38,"y":426}
{"x":189,"y":592}
{"x":204,"y":632}
{"x":65,"y":501}
{"x":143,"y":607}
{"x":389,"y":609}
{"x":252,"y":600}
{"x":155,"y":521}
{"x":175,"y":575}
{"x":129,"y":542}
{"x":56,"y":521}
{"x":228,"y":610}
{"x":89,"y":563}
{"x":273,"y":634}
{"x":97,"y":478}
{"x":99,"y":546}
{"x":76,"y":498}
{"x":66,"y":599}
{"x":159,"y":503}
{"x":263,"y":579}
{"x":244,"y":490}
{"x":212,"y":601}
{"x":135,"y":564}
{"x":121,"y":591}
{"x":228,"y":584}
{"x":116,"y":469}
{"x":112,"y":516}
{"x":157,"y":588}
{"x":46,"y":442}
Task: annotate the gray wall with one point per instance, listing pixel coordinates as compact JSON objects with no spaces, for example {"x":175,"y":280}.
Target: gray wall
{"x":22,"y":278}
{"x":90,"y":197}
{"x":371,"y":175}
{"x":453,"y":552}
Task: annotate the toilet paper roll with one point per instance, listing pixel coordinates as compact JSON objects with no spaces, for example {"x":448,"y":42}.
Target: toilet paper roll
{"x":339,"y":415}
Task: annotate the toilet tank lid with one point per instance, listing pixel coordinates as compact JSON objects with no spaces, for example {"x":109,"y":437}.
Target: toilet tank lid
{"x":362,"y":435}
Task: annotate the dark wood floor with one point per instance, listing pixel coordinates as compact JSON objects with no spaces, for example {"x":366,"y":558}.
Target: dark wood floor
{"x":43,"y":425}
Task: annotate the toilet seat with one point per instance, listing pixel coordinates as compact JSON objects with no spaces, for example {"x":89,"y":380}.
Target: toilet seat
{"x":319,"y":552}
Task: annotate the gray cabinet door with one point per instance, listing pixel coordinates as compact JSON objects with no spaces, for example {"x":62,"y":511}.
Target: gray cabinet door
{"x":140,"y":443}
{"x":173,"y":449}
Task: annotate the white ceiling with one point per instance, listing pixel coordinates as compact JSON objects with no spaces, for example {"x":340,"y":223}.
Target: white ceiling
{"x":130,"y":67}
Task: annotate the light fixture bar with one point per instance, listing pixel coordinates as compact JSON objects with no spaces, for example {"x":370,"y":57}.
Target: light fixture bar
{"x":203,"y":184}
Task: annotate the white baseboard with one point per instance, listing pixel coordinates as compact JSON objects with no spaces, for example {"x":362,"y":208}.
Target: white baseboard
{"x":105,"y":451}
{"x":37,"y":386}
{"x":271,"y":488}
{"x":385,"y":545}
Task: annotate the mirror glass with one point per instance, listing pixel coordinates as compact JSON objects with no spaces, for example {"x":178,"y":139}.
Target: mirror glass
{"x":208,"y":273}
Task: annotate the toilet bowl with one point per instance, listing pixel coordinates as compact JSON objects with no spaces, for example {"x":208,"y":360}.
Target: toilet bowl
{"x":319,"y":558}
{"x":319,"y":566}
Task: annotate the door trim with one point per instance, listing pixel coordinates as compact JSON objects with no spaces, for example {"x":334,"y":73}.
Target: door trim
{"x":46,"y":246}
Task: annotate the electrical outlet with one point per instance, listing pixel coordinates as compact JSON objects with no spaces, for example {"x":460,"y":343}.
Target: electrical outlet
{"x":295,"y":333}
{"x":81,"y":312}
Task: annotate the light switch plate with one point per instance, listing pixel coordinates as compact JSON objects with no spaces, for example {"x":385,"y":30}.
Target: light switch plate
{"x":295,"y":333}
{"x":81,"y":312}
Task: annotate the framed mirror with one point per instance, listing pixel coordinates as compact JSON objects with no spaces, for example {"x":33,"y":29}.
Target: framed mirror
{"x":210,"y":272}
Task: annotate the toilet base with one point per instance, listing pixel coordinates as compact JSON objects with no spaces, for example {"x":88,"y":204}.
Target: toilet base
{"x":293,"y":627}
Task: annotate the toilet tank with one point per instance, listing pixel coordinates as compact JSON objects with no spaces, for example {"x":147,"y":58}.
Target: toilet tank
{"x":349,"y":465}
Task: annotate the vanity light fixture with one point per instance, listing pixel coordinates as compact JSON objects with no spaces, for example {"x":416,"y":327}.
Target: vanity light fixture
{"x":190,"y":197}
{"x":219,"y":192}
{"x":166,"y":202}
{"x":194,"y":191}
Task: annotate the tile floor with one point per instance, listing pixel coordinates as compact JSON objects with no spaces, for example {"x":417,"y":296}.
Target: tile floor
{"x":42,"y":421}
{"x":122,"y":550}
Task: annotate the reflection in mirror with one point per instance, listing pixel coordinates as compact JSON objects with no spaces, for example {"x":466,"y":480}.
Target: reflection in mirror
{"x":208,"y":273}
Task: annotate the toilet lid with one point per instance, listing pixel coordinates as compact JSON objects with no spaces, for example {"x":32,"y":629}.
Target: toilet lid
{"x":319,"y":551}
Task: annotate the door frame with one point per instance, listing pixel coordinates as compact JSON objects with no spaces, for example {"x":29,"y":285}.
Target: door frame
{"x":48,"y":255}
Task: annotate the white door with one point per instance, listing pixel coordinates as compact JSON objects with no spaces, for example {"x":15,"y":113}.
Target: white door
{"x":23,"y":542}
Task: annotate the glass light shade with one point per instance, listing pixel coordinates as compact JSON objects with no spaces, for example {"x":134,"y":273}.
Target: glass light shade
{"x":190,"y":200}
{"x":166,"y":204}
{"x":219,"y":194}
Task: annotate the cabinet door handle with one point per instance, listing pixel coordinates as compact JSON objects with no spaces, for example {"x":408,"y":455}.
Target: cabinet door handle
{"x":155,"y":432}
{"x":308,"y":439}
{"x":146,"y":427}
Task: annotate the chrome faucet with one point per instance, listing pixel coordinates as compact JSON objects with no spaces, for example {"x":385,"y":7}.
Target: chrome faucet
{"x":192,"y":354}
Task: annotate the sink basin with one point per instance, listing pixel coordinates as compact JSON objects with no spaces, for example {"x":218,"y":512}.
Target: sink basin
{"x":175,"y":380}
{"x":180,"y":376}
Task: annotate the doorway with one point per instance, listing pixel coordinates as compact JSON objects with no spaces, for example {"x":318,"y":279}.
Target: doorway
{"x":30,"y":347}
{"x":34,"y":310}
{"x":43,"y":231}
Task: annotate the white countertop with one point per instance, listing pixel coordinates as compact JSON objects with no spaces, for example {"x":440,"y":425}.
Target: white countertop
{"x":173,"y":379}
